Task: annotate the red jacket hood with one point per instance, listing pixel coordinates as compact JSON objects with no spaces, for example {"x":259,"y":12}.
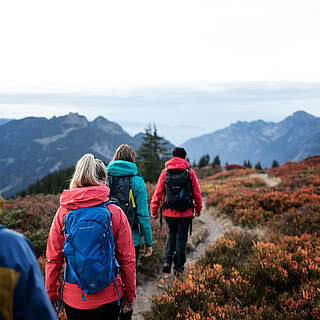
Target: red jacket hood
{"x":84,"y":197}
{"x":177,"y":163}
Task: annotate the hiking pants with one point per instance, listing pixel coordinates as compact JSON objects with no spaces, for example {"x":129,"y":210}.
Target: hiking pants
{"x":175,"y":250}
{"x":107,"y":311}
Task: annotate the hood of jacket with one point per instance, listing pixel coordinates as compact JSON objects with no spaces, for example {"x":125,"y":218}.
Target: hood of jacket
{"x":122,"y":168}
{"x":84,"y":197}
{"x":177,"y":163}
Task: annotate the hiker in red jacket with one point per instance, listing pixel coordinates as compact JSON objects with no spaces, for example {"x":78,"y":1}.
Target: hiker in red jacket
{"x":88,"y":189}
{"x":179,"y":184}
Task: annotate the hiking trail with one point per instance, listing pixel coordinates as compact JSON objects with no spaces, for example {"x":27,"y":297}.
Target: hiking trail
{"x":269,"y":180}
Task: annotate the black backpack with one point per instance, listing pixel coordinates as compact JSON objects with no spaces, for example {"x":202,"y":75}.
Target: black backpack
{"x":121,"y":195}
{"x":178,"y":188}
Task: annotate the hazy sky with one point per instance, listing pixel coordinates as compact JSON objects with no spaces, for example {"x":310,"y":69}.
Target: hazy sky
{"x":189,"y":66}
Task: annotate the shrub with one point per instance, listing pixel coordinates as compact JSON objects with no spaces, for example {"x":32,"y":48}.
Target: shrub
{"x":31,"y":216}
{"x":298,"y":221}
{"x":274,"y":279}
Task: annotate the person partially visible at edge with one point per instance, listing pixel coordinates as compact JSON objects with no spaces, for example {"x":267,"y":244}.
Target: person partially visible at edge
{"x":178,"y":222}
{"x":22,"y":291}
{"x":123,"y":164}
{"x":88,"y":188}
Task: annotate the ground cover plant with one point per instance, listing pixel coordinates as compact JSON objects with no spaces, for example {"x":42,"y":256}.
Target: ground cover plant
{"x":270,"y":274}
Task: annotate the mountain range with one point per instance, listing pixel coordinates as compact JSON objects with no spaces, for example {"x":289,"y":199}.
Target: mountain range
{"x":294,"y":138}
{"x":32,"y":147}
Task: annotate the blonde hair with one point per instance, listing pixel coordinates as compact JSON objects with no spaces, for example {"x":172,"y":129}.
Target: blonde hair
{"x":125,"y":152}
{"x":88,"y":172}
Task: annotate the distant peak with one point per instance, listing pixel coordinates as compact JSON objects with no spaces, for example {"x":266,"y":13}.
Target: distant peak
{"x":301,"y":113}
{"x":75,"y":118}
{"x":301,"y":116}
{"x":108,"y":126}
{"x":100,"y":119}
{"x":74,"y":115}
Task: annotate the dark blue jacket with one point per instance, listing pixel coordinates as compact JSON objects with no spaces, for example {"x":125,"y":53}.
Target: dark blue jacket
{"x":22,"y":291}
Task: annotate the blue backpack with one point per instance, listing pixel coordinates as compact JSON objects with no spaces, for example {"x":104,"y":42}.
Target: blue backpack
{"x":89,"y":249}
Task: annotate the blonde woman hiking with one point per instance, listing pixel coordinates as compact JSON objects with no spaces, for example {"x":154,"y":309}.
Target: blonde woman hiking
{"x":93,"y":238}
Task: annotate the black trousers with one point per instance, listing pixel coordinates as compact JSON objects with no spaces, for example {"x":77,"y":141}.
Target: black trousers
{"x":175,"y":250}
{"x":108,"y":311}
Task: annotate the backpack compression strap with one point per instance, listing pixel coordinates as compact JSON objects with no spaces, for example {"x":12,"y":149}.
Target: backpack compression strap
{"x":131,"y":198}
{"x":114,"y":277}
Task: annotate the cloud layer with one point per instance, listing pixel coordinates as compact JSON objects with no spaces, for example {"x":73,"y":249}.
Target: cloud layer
{"x":179,"y":113}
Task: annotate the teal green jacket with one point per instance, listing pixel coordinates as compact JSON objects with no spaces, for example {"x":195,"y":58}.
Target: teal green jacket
{"x":139,"y":190}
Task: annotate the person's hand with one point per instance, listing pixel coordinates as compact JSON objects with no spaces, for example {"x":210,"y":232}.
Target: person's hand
{"x":126,"y":306}
{"x":148,"y":252}
{"x":197,"y":214}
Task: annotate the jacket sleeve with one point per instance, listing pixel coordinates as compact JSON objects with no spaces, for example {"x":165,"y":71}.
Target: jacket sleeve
{"x":141,"y":198}
{"x":55,"y":257}
{"x":38,"y":306}
{"x":21,"y":277}
{"x":158,"y":194}
{"x":125,"y":252}
{"x":196,"y":192}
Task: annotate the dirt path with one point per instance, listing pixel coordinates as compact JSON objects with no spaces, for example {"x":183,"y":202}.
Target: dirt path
{"x":212,"y":229}
{"x":270,"y":181}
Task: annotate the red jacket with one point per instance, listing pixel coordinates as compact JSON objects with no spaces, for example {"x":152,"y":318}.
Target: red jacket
{"x":179,"y":164}
{"x":125,"y":253}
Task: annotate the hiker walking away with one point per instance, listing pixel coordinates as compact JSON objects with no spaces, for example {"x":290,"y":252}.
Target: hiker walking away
{"x":128,"y":190}
{"x":93,"y":237}
{"x":179,"y":185}
{"x":22,"y":291}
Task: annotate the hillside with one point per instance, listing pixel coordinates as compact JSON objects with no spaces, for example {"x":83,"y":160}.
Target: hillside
{"x":294,"y":138}
{"x":3,"y":121}
{"x":266,"y":266}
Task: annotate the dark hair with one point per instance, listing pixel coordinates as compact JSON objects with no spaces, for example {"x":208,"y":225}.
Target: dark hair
{"x":126,"y":153}
{"x":179,"y":152}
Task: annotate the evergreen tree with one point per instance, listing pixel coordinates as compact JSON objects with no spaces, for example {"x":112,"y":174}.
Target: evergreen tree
{"x":204,"y":160}
{"x":247,"y":164}
{"x":275,"y":164}
{"x":258,"y":166}
{"x":216,"y":161}
{"x":152,"y":154}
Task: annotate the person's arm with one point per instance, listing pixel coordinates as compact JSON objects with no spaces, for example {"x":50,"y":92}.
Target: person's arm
{"x":30,"y":300}
{"x":141,"y":199}
{"x":196,"y":193}
{"x":125,"y":252}
{"x":158,"y":194}
{"x":55,"y":257}
{"x":37,"y":301}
